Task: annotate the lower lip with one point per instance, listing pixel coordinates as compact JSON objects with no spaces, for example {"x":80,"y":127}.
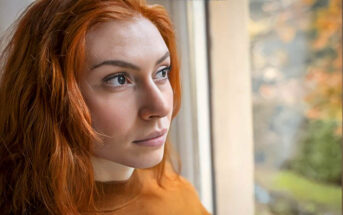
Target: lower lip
{"x":158,"y":141}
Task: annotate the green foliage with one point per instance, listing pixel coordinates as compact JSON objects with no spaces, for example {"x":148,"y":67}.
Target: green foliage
{"x":320,"y":156}
{"x":304,"y":190}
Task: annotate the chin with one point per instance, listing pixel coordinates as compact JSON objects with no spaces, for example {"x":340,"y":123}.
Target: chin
{"x":147,"y":160}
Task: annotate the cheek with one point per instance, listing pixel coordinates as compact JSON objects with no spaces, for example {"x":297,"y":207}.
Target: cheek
{"x":112,"y":116}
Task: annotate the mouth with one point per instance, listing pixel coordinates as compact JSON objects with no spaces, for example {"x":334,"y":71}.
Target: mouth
{"x":156,"y":138}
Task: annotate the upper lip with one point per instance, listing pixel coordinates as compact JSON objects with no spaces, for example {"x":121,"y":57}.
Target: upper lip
{"x":153,"y":135}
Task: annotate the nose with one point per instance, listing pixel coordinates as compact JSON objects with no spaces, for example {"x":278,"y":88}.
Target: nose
{"x":154,"y":101}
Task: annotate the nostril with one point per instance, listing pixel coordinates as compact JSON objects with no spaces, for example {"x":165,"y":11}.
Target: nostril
{"x":149,"y":114}
{"x":155,"y":109}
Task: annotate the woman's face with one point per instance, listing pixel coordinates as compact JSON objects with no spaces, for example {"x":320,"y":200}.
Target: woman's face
{"x":125,"y":85}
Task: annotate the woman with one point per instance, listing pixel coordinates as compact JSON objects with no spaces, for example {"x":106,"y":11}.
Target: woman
{"x":87,"y":94}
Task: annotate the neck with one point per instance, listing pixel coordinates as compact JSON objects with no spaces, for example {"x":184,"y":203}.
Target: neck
{"x":106,"y":170}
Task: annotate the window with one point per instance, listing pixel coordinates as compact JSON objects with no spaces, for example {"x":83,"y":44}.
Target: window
{"x":296,"y":61}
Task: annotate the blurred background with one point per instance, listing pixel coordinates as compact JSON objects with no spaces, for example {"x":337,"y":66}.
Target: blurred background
{"x":260,"y":128}
{"x":296,"y":71}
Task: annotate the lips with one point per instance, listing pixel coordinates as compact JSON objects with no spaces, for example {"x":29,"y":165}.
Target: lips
{"x":152,"y":136}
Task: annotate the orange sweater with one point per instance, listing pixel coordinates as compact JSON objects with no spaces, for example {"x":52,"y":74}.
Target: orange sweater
{"x":178,"y":197}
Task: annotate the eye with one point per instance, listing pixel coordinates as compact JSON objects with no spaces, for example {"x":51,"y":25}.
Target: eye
{"x":116,"y":80}
{"x":163,"y":73}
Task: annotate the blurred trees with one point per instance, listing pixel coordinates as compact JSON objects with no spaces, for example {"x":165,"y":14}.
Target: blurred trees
{"x":320,"y":156}
{"x":324,"y":72}
{"x":296,"y":53}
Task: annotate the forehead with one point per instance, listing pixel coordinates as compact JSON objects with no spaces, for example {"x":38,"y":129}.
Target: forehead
{"x":132,"y":38}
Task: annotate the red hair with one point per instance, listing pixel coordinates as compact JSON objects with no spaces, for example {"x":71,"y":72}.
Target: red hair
{"x":45,"y":125}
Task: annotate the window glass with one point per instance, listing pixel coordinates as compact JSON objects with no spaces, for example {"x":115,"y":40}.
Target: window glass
{"x":296,"y":63}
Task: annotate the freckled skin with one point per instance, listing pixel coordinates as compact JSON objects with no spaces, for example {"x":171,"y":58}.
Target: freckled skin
{"x":127,"y":113}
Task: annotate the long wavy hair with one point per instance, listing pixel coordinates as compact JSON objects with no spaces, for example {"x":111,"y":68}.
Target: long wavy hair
{"x":45,"y":125}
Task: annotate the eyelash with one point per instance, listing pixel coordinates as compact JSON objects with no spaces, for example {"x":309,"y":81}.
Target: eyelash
{"x":167,"y":70}
{"x":109,"y":78}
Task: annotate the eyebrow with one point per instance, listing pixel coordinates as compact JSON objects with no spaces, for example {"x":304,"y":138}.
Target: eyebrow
{"x":125,"y":64}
